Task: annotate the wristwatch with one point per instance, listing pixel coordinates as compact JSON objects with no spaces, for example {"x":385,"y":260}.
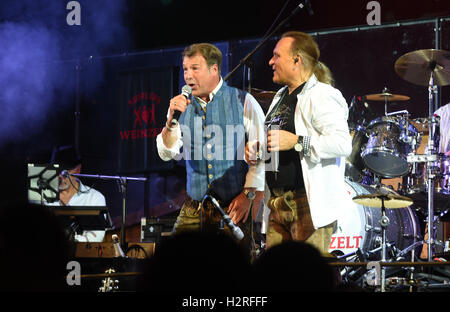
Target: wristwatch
{"x":299,"y":145}
{"x":249,"y":193}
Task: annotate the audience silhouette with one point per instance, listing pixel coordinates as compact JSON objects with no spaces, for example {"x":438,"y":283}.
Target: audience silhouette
{"x":292,"y":266}
{"x":34,"y":249}
{"x":194,"y":261}
{"x":213,"y":262}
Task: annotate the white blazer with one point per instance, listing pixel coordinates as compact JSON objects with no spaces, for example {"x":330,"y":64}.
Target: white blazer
{"x":321,"y":113}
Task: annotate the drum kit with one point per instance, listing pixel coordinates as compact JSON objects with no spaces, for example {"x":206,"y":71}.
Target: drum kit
{"x":388,"y":147}
{"x":379,"y":224}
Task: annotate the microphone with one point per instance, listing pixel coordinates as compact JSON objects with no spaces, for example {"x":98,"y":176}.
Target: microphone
{"x":65,"y":174}
{"x":274,"y":155}
{"x":235,"y":230}
{"x":117,"y":249}
{"x":275,"y":163}
{"x":186,"y":91}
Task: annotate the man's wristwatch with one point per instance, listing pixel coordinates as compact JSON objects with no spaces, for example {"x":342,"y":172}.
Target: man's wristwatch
{"x":299,"y":145}
{"x":249,"y":193}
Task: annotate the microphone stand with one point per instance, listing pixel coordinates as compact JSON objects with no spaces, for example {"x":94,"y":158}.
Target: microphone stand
{"x":245,"y":60}
{"x":123,"y":182}
{"x":432,"y":150}
{"x":235,"y":230}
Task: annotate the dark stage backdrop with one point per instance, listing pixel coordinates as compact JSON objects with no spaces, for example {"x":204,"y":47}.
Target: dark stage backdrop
{"x":143,"y":99}
{"x":119,"y":121}
{"x":361,"y":59}
{"x":444,"y":39}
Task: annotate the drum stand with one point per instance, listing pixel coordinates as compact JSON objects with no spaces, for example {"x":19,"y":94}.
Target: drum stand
{"x":383,"y":201}
{"x":429,"y":158}
{"x":429,"y":68}
{"x":430,"y":170}
{"x":384,"y":222}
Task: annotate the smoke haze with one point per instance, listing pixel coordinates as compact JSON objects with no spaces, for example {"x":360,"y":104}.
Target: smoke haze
{"x":38,"y":54}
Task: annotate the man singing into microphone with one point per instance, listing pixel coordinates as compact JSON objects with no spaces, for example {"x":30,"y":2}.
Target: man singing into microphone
{"x":214,"y":125}
{"x":307,"y":192}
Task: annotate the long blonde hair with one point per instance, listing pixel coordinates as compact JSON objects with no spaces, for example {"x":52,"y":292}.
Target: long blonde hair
{"x":305,"y":45}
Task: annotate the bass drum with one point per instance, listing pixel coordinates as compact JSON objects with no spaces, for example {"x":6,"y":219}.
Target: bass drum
{"x":358,"y":226}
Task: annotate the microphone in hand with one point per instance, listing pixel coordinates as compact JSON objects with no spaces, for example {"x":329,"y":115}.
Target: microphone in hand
{"x":186,"y":91}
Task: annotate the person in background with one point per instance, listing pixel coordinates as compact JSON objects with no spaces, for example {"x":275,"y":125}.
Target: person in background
{"x":444,"y":128}
{"x":312,"y":137}
{"x":72,"y":192}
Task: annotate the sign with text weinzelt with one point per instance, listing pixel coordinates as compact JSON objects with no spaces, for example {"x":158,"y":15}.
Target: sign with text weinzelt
{"x":143,"y":105}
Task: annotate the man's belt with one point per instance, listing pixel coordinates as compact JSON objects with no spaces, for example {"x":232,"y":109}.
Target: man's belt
{"x":208,"y":204}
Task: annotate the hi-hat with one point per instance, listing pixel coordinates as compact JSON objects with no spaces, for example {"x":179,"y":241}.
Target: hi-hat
{"x":263,"y":93}
{"x":422,"y":124}
{"x":263,"y":97}
{"x":386,"y":96}
{"x":416,"y":67}
{"x":391,"y":201}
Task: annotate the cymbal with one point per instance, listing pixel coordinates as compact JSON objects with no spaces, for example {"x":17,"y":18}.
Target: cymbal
{"x":257,"y":90}
{"x":422,"y":124}
{"x":386,"y":96}
{"x":391,"y":201}
{"x":416,"y":67}
{"x":263,"y":93}
{"x":263,"y":97}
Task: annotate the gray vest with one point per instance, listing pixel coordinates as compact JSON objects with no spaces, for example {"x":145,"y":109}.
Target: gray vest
{"x":213,"y":145}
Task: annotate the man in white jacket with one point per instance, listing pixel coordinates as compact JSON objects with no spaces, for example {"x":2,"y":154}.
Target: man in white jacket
{"x":308,"y":119}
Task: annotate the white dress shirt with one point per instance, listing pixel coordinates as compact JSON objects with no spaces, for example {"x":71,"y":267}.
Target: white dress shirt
{"x":86,"y":196}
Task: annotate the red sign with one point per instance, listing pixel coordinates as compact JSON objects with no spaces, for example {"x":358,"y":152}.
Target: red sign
{"x":345,"y":242}
{"x":144,"y":117}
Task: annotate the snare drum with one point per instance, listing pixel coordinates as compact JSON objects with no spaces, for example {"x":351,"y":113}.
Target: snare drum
{"x":388,"y":146}
{"x":358,"y":226}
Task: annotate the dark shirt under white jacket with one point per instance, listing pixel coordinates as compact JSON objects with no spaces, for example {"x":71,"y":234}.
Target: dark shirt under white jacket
{"x":321,"y":114}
